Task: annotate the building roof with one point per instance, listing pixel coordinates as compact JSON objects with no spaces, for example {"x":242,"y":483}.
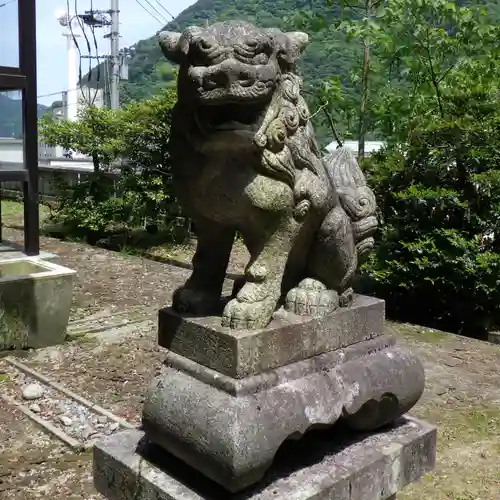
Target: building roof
{"x":370,"y":146}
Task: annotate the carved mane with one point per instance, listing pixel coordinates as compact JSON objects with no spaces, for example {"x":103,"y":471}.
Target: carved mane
{"x":286,"y":136}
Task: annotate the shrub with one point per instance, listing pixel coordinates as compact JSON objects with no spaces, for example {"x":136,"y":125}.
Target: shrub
{"x":437,"y":259}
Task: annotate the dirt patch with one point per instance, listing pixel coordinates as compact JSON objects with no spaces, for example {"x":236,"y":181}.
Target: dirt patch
{"x":462,"y":398}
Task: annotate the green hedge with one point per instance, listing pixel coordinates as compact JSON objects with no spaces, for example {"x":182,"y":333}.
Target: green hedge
{"x":437,"y":259}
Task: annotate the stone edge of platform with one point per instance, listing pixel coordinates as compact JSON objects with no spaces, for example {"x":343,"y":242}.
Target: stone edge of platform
{"x":376,"y":467}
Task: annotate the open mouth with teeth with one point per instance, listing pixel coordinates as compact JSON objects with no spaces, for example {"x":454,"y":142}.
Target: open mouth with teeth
{"x":211,"y":94}
{"x":239,"y":116}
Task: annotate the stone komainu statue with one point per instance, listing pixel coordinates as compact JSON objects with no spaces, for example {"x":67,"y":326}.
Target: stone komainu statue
{"x":244,"y":158}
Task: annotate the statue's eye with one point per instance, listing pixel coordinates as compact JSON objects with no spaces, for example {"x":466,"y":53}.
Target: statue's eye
{"x":205,"y":45}
{"x":252,"y":44}
{"x":202,"y":52}
{"x":267,"y":47}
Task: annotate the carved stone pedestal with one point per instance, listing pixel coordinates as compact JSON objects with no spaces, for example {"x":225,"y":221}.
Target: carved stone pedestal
{"x":227,"y":400}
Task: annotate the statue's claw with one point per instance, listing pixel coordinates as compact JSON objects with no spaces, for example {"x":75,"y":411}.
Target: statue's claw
{"x":311,"y":298}
{"x":247,"y":315}
{"x":346,"y":298}
{"x":252,"y":307}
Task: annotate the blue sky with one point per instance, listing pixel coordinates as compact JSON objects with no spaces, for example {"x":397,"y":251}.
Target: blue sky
{"x":135,"y":24}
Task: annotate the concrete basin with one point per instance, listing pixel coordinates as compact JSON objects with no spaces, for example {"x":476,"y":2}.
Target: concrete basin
{"x":35,"y":302}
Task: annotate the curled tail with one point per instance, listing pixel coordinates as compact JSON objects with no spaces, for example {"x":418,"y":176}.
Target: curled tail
{"x":356,"y":198}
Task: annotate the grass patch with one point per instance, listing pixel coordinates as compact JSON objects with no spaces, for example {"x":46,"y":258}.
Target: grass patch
{"x":467,"y":455}
{"x":158,"y":246}
{"x":13,"y":213}
{"x":420,"y":333}
{"x":82,"y":338}
{"x":430,"y":335}
{"x":469,"y":425}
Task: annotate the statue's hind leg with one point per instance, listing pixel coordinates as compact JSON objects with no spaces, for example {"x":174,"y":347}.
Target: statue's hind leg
{"x":331,"y":267}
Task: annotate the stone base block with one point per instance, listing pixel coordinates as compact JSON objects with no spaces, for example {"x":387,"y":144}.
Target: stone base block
{"x":230,"y":429}
{"x":318,"y":467}
{"x":287,"y":339}
{"x":494,"y":337}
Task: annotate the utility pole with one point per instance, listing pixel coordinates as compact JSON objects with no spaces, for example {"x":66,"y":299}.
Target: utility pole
{"x":65,"y":20}
{"x":115,"y":54}
{"x":117,"y":60}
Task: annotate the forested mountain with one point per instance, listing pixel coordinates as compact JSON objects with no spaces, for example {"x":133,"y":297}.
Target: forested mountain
{"x":326,"y":56}
{"x":11,"y":116}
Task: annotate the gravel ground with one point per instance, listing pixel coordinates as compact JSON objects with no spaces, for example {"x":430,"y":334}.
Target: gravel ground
{"x":66,"y":414}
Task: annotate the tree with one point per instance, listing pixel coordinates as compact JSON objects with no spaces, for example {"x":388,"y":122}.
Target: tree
{"x":354,"y":20}
{"x":410,"y":51}
{"x":132,"y":140}
{"x":428,"y":50}
{"x":136,"y":132}
{"x":359,"y":20}
{"x":437,"y":257}
{"x":95,"y":133}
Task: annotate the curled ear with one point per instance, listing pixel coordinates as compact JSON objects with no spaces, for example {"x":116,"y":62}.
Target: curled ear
{"x":170,"y":46}
{"x":298,"y":39}
{"x":292,"y":46}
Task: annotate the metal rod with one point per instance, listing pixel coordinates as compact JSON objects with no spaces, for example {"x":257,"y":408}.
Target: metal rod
{"x":73,"y":443}
{"x":27,"y":60}
{"x":67,"y":392}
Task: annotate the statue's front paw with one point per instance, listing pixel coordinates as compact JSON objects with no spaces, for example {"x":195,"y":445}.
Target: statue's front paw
{"x":195,"y":301}
{"x":248,"y":315}
{"x":311,"y":298}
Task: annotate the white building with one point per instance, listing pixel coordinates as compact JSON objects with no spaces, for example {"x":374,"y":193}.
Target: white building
{"x":11,"y":151}
{"x":370,"y":146}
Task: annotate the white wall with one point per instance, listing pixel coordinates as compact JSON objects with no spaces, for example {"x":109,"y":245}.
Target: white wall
{"x":370,"y":146}
{"x":11,"y":150}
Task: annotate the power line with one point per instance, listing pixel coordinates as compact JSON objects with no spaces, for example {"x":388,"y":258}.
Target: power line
{"x":156,"y":10}
{"x":164,"y":8}
{"x":92,"y":30}
{"x":82,"y":27}
{"x":55,"y":93}
{"x":152,"y":15}
{"x":6,"y":3}
{"x":75,"y":41}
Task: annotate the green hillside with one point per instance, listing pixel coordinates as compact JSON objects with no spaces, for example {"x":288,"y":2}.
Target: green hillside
{"x":326,"y":56}
{"x":11,"y":124}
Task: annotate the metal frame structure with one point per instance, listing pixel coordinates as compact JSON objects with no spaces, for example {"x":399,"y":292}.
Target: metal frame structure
{"x":23,"y":78}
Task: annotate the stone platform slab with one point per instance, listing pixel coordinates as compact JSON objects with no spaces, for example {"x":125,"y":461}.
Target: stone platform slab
{"x":287,"y":339}
{"x":321,"y":466}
